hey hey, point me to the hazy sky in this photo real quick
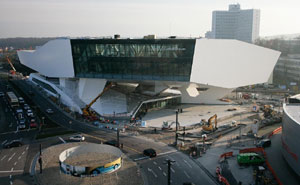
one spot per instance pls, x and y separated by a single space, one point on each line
135 18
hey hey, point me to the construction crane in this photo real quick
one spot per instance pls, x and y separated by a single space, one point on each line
13 71
86 111
208 127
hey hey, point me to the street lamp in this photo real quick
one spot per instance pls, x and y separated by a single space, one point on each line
176 136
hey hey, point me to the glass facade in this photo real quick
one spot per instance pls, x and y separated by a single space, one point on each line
133 59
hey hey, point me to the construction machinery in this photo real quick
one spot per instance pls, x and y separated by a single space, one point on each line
268 111
87 112
208 126
167 126
13 71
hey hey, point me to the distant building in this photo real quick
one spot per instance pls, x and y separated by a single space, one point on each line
286 73
236 24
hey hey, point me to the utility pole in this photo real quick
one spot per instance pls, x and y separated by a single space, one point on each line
176 136
169 163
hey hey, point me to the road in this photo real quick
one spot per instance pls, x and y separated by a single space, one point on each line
185 169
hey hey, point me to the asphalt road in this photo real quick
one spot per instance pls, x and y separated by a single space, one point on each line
184 169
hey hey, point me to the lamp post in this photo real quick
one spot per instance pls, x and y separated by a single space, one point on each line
43 121
176 136
169 163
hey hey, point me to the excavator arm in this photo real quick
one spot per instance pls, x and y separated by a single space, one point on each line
86 111
11 65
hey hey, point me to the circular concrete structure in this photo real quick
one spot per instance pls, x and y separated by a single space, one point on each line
90 160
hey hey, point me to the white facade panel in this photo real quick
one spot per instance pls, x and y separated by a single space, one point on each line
54 59
231 63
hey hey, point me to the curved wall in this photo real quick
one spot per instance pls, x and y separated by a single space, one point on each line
290 140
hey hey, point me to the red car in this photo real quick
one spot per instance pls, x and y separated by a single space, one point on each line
32 123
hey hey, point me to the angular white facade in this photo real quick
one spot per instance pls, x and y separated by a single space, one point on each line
217 67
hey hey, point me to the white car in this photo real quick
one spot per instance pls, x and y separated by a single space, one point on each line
29 113
77 138
49 111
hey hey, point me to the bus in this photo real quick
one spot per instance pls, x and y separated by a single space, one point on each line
12 99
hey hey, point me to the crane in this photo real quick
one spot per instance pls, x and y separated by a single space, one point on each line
86 111
13 71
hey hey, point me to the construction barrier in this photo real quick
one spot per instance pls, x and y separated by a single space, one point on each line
277 130
261 150
227 154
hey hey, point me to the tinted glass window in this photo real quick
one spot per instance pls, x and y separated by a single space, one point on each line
138 59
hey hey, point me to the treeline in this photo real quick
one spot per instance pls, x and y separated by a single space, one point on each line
23 43
285 46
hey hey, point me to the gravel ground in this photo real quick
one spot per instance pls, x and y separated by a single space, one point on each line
128 173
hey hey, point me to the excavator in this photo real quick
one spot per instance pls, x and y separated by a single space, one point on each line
13 71
87 112
208 126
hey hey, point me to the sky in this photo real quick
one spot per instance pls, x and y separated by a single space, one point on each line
135 18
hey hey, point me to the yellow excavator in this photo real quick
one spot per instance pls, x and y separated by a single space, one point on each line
208 126
86 111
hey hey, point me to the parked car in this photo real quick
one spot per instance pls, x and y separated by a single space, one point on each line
32 123
150 152
264 143
49 111
26 106
22 124
77 138
13 143
250 158
29 113
21 100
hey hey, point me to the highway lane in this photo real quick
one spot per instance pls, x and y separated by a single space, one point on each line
133 146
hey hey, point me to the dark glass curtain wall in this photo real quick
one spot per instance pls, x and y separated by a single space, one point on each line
133 59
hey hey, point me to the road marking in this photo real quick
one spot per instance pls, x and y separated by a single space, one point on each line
187 163
11 157
16 171
154 174
62 140
3 157
172 151
10 182
19 157
141 158
186 174
27 148
17 130
164 174
154 163
159 168
15 163
10 176
172 170
4 142
12 169
23 153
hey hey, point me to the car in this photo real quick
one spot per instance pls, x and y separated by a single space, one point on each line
264 143
1 94
49 111
32 123
21 100
150 152
111 142
77 138
22 124
13 143
19 111
26 106
250 159
29 113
